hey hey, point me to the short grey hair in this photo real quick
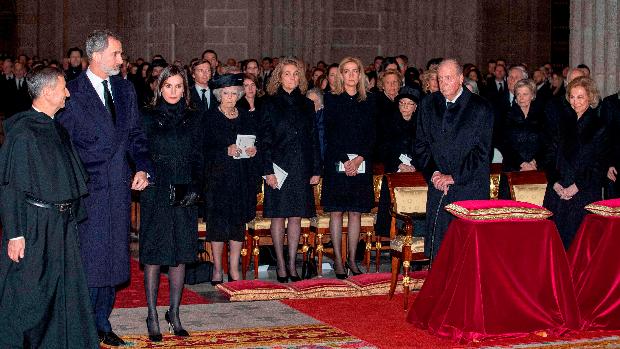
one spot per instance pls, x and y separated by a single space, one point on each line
459 67
473 84
97 41
526 83
41 77
520 68
316 91
218 92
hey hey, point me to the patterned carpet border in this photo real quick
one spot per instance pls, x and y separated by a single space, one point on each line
283 337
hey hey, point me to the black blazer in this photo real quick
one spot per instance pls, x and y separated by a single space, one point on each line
521 137
197 101
16 100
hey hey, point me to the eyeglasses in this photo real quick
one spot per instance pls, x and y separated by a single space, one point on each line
406 104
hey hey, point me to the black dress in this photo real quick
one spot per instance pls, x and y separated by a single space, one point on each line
168 234
44 300
579 156
349 129
230 192
289 140
258 104
521 141
400 141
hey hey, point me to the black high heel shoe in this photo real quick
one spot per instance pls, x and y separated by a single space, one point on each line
338 275
231 279
217 282
282 279
293 278
348 267
177 332
153 336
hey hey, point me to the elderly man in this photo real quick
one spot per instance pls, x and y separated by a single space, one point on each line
453 143
16 95
43 293
103 121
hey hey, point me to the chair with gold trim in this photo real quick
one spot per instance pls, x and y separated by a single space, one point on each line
408 196
259 230
527 186
496 171
319 225
245 256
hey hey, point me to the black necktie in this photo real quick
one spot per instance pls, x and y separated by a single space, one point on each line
205 101
109 102
449 105
501 88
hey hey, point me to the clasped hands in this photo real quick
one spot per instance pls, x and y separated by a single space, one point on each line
234 150
351 166
565 193
442 181
529 166
272 181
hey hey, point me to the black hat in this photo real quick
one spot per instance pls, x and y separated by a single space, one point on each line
408 92
226 80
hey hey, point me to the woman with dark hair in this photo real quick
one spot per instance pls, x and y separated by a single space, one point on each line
230 172
332 75
350 136
251 100
576 159
168 231
289 145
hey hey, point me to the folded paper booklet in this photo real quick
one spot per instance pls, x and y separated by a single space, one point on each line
280 175
405 160
360 169
244 142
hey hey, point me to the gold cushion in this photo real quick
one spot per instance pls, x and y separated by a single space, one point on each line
410 199
321 221
532 193
261 223
610 208
416 242
497 210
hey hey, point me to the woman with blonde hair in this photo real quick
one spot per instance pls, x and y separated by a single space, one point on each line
576 159
289 145
350 136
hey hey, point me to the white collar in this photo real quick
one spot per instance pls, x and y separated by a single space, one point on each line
96 80
457 96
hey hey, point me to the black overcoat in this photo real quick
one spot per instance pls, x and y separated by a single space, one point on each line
349 129
230 183
457 142
578 155
289 139
105 149
44 298
168 234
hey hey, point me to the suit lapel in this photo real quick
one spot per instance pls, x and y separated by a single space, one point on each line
93 103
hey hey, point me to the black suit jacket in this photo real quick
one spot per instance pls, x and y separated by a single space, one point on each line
197 101
16 100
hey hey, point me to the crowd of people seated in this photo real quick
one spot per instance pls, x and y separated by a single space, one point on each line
335 122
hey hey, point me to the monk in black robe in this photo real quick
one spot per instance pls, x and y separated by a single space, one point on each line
453 143
44 300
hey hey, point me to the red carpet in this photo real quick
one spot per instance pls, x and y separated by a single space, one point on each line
133 295
381 322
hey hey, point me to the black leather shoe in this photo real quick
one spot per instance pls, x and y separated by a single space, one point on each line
110 338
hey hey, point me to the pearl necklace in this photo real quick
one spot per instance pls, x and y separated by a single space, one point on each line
232 115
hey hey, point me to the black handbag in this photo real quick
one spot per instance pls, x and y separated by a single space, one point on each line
201 270
179 192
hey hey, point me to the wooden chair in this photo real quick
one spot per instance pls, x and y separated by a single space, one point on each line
319 226
496 170
259 230
527 186
408 196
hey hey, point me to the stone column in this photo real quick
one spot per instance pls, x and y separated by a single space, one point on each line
594 35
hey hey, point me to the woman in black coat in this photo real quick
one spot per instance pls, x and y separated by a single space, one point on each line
576 158
290 142
390 82
252 100
231 179
522 134
168 231
399 152
350 137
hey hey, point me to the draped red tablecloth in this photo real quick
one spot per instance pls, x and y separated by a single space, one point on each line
497 278
594 258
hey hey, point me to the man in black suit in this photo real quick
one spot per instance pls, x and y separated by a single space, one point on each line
6 79
543 86
452 149
211 56
16 92
201 96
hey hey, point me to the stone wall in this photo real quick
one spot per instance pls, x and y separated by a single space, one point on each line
471 30
594 40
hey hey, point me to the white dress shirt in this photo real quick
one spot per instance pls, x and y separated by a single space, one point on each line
97 83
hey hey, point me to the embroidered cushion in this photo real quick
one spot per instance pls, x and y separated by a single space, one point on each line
497 210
